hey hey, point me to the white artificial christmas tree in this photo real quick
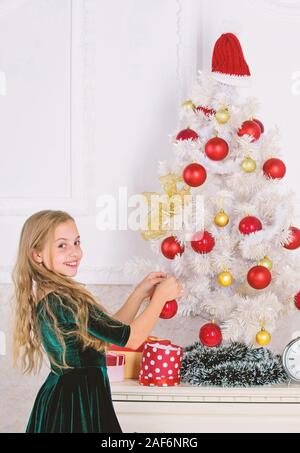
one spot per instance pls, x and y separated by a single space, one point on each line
242 273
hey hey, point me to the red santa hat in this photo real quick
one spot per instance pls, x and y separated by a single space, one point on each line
228 63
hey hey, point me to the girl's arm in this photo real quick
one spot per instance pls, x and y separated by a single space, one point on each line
128 311
142 326
132 335
144 290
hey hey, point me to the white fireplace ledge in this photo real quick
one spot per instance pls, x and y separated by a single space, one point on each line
130 390
189 409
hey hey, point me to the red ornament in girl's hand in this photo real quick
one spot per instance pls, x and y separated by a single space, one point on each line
203 242
187 134
210 335
216 149
169 310
250 225
171 247
194 175
297 301
250 128
274 169
259 277
294 242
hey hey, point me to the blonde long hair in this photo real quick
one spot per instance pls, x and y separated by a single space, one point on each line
27 274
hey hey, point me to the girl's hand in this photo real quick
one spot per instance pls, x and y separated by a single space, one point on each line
169 289
147 286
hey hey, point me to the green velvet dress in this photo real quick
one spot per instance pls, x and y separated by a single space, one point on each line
77 400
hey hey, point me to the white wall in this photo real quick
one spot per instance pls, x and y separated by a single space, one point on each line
92 95
93 89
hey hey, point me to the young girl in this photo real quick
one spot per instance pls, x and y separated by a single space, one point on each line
57 313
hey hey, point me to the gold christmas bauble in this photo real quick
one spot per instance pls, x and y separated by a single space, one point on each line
222 219
222 116
249 165
188 105
266 262
263 338
225 279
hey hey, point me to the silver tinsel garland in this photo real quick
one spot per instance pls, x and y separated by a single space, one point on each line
234 365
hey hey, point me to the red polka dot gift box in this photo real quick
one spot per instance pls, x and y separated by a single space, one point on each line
161 363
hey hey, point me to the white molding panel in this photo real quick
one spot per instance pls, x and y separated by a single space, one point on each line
74 149
9 6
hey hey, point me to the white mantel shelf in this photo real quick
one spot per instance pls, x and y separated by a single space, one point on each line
130 390
189 409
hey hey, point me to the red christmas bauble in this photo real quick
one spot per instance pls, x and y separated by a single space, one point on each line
206 110
210 335
294 243
217 149
250 128
297 301
195 175
250 225
169 310
187 134
203 242
259 277
170 247
274 168
262 127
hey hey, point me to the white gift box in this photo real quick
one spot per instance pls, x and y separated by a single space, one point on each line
115 364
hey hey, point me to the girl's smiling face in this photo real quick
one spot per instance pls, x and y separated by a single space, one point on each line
63 253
